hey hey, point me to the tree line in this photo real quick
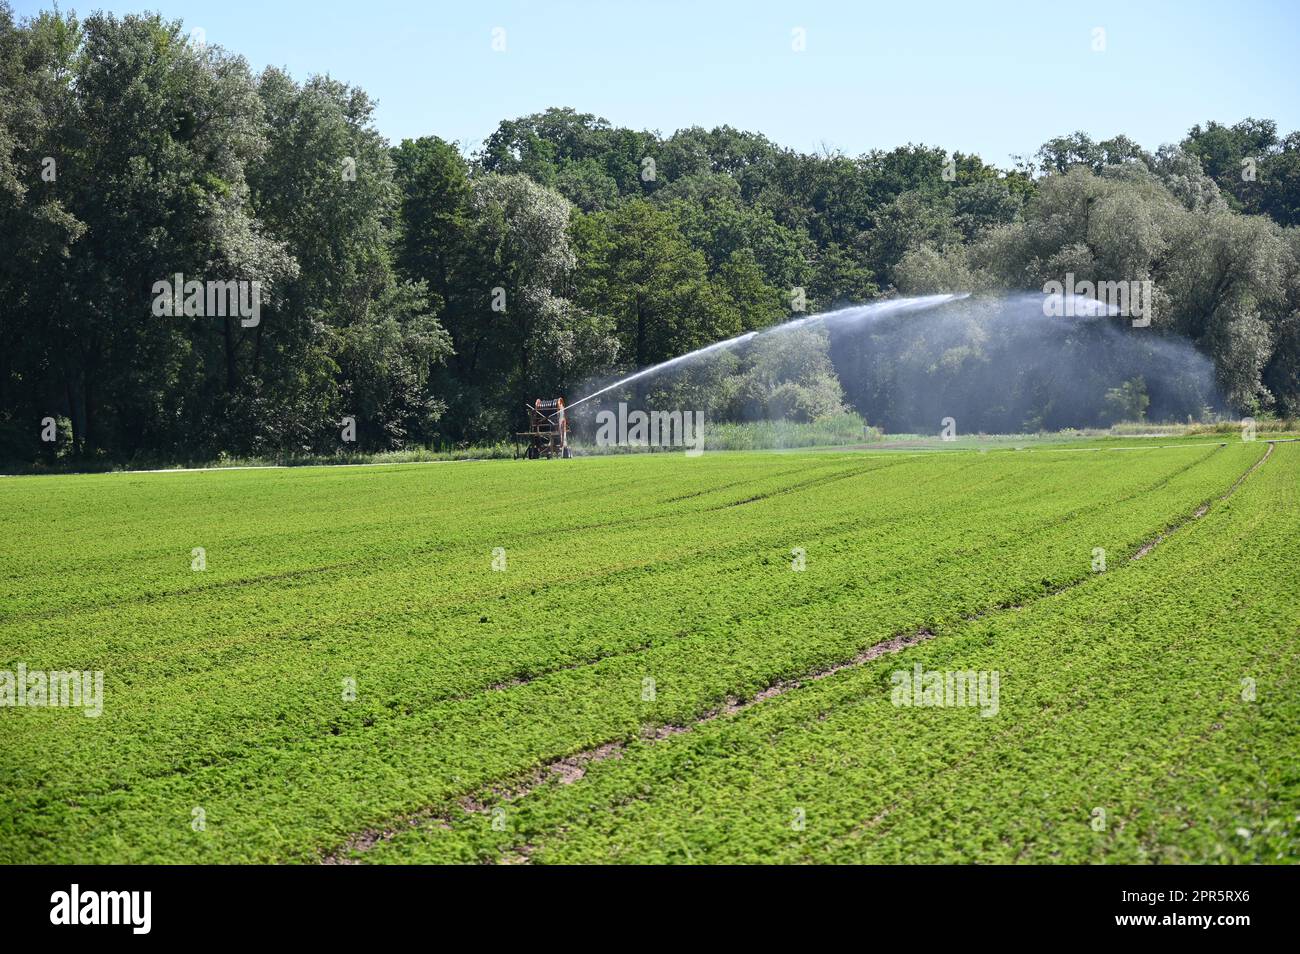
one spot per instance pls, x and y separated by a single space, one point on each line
424 294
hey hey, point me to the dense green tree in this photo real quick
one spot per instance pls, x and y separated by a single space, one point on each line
435 207
908 222
1226 152
1279 179
1128 402
1079 149
1257 169
396 282
151 138
721 226
36 116
343 330
637 268
1282 376
789 376
576 153
840 276
536 339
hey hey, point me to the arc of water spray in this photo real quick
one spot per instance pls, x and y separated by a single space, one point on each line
853 313
716 346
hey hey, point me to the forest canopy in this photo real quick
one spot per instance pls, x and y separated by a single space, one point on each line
425 293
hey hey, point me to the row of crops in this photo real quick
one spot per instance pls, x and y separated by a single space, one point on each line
390 663
1149 714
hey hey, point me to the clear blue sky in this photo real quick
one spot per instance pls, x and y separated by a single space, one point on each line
997 78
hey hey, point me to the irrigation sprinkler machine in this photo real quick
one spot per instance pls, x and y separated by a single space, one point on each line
548 430
548 426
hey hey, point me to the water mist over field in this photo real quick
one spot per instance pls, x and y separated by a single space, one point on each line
998 364
995 363
852 316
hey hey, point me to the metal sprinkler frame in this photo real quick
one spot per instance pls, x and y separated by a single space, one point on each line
548 430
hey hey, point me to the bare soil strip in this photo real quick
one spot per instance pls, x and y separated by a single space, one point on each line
571 768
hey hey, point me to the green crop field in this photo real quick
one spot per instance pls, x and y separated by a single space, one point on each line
653 658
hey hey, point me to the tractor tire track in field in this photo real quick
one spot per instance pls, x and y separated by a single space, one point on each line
802 485
736 483
523 679
418 553
1204 508
158 596
1018 728
572 768
501 683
